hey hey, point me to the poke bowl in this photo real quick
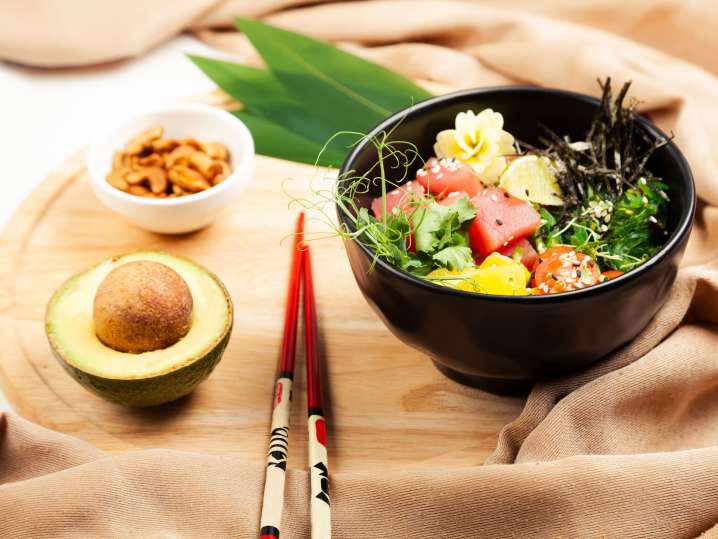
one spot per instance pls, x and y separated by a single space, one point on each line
504 340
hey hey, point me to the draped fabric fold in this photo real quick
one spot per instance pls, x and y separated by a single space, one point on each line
626 448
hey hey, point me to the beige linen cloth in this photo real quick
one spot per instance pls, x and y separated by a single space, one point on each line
628 448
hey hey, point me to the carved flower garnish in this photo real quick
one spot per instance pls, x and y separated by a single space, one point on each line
478 140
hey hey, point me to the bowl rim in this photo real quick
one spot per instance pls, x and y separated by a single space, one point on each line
680 232
218 115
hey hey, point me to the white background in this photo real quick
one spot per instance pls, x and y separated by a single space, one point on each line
46 115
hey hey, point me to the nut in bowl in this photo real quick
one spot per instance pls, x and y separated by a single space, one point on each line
156 167
174 170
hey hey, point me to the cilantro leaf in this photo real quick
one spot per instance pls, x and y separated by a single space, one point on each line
419 264
460 239
439 233
454 258
428 221
436 225
464 209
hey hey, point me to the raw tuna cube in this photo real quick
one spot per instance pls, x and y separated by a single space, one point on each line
500 220
529 256
442 176
401 197
453 198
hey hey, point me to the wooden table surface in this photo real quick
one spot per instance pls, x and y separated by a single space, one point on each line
388 406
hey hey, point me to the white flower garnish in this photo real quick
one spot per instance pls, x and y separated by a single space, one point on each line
478 140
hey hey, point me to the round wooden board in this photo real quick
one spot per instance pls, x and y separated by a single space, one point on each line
388 406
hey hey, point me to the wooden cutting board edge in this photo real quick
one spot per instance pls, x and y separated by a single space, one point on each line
13 238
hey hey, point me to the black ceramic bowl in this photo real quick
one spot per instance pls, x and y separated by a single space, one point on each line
504 343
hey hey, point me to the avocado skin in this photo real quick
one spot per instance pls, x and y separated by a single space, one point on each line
155 390
143 392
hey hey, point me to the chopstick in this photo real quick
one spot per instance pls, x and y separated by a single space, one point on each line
273 501
316 425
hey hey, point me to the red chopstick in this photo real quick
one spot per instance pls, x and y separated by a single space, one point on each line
316 426
291 311
273 501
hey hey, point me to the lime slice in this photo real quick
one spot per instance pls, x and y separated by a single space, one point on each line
530 178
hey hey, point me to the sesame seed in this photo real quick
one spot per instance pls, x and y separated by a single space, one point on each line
499 222
494 198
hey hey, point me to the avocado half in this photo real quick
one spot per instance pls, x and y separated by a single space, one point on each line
148 378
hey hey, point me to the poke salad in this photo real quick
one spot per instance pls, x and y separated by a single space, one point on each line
490 214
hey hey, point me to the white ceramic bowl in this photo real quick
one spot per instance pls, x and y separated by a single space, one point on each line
189 212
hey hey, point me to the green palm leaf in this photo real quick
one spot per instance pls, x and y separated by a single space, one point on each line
310 91
275 140
348 92
261 94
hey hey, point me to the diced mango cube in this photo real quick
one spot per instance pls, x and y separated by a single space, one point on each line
502 280
497 274
451 278
496 259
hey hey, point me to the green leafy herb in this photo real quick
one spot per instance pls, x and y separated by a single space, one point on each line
635 231
310 92
455 257
547 234
428 222
437 227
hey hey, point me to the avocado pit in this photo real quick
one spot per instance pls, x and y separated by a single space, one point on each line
142 306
